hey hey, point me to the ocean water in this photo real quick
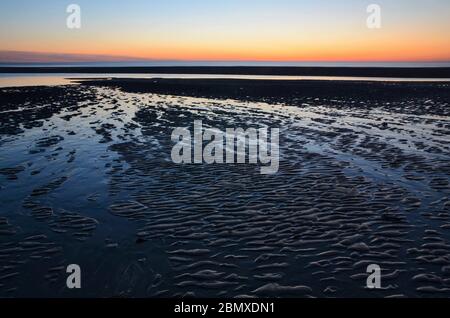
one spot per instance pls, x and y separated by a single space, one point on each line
21 80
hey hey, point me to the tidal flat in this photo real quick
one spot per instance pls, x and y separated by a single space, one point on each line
86 178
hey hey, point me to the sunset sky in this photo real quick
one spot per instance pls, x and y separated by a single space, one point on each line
227 30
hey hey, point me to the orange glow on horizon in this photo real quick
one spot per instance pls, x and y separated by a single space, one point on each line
391 49
315 47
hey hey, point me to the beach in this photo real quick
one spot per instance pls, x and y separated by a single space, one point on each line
86 177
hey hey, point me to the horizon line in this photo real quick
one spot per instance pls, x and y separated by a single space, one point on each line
31 57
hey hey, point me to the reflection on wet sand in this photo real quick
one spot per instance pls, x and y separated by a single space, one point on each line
86 177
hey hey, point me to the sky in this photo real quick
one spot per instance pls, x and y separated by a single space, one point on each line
225 30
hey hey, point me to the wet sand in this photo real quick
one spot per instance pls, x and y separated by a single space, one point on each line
86 177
